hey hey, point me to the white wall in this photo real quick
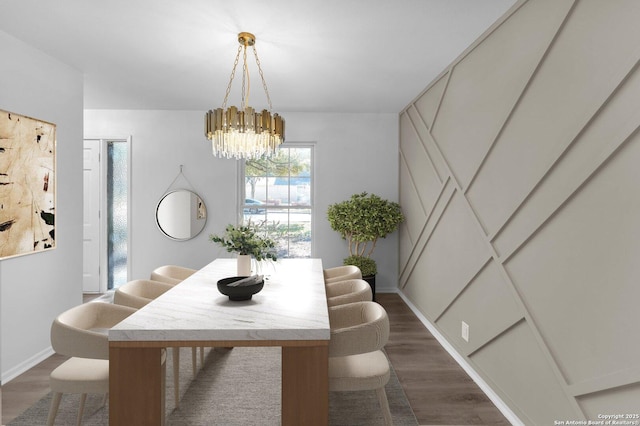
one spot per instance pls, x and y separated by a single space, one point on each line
354 153
35 288
161 141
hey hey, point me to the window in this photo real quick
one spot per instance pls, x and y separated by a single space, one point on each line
117 206
278 198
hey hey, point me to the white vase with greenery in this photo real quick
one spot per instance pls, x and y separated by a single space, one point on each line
248 244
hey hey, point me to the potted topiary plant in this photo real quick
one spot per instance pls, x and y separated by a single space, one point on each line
247 243
361 220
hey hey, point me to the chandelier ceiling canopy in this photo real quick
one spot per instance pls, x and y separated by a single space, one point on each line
243 133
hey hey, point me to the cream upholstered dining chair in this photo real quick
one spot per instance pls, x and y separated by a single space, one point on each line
341 273
138 293
348 291
171 274
81 333
356 362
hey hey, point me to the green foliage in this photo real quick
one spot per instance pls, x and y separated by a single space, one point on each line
367 265
244 239
275 229
285 162
363 219
279 164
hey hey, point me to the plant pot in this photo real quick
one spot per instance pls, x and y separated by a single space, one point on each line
371 279
244 265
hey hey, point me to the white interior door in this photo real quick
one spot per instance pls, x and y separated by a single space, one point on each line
91 217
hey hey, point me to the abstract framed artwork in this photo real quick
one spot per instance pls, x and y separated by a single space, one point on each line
27 185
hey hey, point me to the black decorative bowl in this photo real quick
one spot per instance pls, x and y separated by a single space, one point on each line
240 292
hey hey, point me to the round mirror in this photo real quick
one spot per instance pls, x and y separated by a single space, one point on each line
181 214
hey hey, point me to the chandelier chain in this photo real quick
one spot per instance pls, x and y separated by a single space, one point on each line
233 73
246 82
264 83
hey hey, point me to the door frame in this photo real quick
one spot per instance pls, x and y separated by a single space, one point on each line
103 258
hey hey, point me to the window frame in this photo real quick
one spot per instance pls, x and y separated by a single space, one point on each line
242 189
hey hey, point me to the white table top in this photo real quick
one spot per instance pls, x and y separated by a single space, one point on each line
291 306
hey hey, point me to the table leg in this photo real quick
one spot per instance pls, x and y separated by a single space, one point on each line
305 385
136 386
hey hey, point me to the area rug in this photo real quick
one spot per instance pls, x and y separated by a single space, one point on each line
235 387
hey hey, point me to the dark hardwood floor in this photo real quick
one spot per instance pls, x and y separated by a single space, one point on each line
438 389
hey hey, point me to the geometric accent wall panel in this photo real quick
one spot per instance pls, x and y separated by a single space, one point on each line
411 206
484 86
487 304
405 244
420 290
453 255
587 61
619 400
517 368
586 267
429 144
424 176
427 104
417 249
524 207
617 120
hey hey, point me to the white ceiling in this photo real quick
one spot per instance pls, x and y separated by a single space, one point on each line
317 55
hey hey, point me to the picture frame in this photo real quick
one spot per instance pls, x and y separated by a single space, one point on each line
27 185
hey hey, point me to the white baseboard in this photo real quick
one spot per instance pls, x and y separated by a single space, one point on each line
14 372
497 401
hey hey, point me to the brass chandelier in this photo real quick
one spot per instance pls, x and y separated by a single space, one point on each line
243 133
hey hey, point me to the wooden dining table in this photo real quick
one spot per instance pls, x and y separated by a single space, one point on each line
290 312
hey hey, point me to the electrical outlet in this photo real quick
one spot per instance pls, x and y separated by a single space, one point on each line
465 331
